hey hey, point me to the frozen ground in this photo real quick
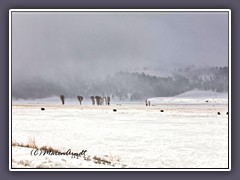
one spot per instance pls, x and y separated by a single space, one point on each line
188 134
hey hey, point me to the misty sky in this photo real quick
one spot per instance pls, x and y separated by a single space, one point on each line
82 45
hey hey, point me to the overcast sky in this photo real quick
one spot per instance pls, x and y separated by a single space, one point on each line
70 46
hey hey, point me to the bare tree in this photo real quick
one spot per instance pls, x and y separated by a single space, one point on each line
149 103
108 100
98 99
105 100
62 99
101 101
80 98
93 100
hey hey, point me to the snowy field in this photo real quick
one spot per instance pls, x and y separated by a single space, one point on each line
187 134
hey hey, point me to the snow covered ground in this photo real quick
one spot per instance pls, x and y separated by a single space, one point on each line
188 134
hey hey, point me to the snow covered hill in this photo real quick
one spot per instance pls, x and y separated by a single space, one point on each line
193 97
203 94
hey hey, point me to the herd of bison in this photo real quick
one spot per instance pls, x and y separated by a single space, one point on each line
98 100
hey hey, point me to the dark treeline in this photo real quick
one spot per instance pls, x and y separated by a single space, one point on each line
131 86
211 78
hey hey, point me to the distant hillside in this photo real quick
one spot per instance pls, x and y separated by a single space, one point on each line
130 85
